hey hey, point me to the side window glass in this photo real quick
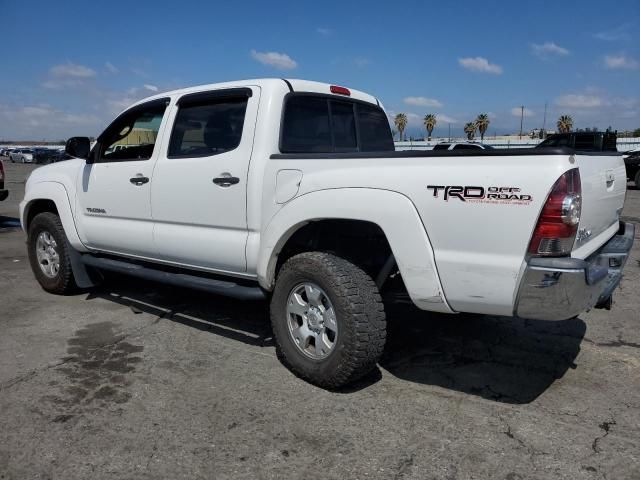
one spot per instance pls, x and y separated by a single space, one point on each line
306 125
374 129
208 128
133 135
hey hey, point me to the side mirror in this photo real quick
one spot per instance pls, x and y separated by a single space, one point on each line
78 147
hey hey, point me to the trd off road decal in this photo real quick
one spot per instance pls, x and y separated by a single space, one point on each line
474 194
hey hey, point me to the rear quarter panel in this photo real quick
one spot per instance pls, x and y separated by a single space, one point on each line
479 246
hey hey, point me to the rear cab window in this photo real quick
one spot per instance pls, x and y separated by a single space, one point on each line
317 123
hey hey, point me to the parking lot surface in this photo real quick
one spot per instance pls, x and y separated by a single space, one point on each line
140 380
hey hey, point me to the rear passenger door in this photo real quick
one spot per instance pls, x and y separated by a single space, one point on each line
199 190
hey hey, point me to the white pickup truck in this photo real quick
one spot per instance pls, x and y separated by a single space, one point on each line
292 190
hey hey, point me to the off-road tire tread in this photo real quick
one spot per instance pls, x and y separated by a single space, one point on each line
365 322
64 283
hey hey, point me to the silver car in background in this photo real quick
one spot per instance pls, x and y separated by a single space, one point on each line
21 155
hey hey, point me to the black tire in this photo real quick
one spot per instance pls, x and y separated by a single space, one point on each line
63 282
360 319
637 179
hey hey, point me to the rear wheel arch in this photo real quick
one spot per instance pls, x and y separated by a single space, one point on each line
392 213
363 242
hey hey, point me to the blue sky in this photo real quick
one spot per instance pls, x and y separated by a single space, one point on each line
69 67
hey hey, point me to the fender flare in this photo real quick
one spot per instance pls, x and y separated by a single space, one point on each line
57 193
393 212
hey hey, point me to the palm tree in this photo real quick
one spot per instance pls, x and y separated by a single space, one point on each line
565 123
401 123
430 123
483 124
470 129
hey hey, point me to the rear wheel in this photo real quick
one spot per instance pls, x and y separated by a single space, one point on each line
328 319
49 254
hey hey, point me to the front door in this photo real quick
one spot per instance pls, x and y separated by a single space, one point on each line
199 191
113 199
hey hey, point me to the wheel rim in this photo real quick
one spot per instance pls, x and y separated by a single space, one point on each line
47 254
311 319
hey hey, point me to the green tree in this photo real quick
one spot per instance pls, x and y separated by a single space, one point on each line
482 123
565 124
400 122
470 130
430 122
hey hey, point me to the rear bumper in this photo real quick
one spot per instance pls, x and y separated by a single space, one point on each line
561 288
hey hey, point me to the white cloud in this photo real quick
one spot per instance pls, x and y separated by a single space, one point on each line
615 62
34 122
422 102
548 49
361 62
579 100
517 111
324 31
150 87
480 64
281 61
72 70
618 33
111 68
442 118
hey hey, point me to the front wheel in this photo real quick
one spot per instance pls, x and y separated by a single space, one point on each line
328 319
49 254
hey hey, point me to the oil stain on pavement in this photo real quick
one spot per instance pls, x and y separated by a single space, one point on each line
97 368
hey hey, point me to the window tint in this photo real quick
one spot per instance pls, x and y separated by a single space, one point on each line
585 142
306 125
208 128
466 146
343 125
610 142
442 146
374 130
133 135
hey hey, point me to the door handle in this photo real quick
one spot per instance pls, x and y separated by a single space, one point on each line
139 180
226 180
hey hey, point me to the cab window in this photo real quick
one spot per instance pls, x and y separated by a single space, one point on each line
132 136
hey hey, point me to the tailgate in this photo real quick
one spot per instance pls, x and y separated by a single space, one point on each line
604 184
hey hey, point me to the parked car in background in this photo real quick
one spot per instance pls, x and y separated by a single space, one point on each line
22 155
462 146
632 164
583 141
45 156
3 193
4 152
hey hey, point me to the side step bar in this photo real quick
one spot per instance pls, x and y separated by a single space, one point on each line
220 287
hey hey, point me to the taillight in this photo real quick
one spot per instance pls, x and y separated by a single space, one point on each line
558 223
340 90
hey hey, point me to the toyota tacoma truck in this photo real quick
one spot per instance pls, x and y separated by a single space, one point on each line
292 191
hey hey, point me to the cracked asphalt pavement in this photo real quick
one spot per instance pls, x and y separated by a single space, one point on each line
140 380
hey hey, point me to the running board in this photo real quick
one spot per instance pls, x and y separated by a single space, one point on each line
220 287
